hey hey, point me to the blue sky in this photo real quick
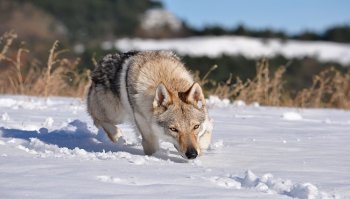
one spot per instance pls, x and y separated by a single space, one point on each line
292 16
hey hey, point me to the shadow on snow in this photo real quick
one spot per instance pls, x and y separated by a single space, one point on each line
77 135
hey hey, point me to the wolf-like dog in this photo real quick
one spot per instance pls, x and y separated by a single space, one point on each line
154 91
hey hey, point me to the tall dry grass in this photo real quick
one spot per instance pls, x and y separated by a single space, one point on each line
60 76
264 88
330 88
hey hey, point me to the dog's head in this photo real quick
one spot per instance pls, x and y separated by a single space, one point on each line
181 117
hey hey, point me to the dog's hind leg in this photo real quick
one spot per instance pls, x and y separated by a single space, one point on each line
113 132
106 111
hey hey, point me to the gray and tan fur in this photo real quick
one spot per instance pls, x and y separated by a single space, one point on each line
154 91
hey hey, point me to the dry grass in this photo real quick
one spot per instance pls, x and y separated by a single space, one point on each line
263 88
331 88
60 77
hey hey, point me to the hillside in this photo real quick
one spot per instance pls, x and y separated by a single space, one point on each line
91 20
251 48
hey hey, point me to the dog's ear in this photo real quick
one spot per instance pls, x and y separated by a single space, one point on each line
162 97
195 96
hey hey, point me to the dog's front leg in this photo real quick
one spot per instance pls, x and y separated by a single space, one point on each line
205 137
150 142
205 140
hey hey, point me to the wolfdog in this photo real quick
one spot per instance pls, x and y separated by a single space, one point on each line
155 92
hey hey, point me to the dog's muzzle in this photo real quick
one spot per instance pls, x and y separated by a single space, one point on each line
191 153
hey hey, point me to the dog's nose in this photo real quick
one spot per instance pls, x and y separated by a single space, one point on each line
191 153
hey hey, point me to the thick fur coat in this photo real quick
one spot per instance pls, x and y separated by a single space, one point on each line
154 91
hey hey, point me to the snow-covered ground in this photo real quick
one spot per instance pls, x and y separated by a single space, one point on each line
50 149
238 45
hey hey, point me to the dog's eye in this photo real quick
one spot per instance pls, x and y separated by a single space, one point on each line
173 129
196 126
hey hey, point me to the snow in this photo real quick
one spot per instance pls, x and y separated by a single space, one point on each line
50 148
292 116
217 102
158 18
5 117
214 46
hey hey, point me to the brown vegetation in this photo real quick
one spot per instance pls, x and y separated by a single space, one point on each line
330 88
60 77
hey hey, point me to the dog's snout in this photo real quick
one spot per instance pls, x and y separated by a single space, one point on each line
191 153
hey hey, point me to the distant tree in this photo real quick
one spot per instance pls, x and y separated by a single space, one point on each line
337 34
215 30
93 19
307 35
240 30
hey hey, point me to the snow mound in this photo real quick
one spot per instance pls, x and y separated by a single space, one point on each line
108 179
271 185
48 122
225 182
239 103
5 117
291 116
160 18
215 101
43 150
216 145
255 104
